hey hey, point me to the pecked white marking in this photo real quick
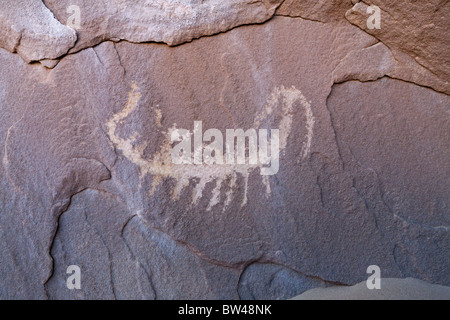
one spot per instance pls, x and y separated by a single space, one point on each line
281 102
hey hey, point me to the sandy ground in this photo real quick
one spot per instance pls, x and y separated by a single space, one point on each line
391 289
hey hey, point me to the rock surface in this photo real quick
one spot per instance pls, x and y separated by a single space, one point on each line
30 29
391 289
87 177
417 28
171 22
317 10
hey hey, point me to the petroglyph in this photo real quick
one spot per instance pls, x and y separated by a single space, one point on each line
279 106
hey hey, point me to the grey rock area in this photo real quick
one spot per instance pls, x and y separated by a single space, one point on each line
269 281
391 289
87 179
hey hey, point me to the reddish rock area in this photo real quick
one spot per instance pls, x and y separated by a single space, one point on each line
89 97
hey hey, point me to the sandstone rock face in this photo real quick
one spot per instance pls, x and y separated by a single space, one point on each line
171 22
87 176
417 28
30 29
318 10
